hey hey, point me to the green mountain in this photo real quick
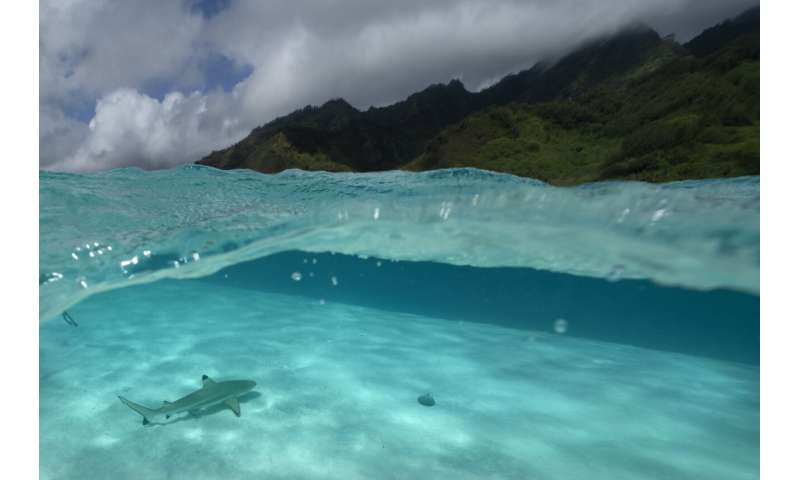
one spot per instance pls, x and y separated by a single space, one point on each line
631 105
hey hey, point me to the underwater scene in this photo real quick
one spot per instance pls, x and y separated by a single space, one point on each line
453 324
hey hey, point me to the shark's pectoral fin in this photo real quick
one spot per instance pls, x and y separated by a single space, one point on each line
145 421
233 404
167 402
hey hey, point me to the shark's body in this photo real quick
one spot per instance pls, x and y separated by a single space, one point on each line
212 393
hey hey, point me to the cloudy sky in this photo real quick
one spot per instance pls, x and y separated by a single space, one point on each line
156 83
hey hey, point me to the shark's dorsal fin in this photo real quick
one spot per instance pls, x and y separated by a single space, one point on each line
233 404
167 402
207 381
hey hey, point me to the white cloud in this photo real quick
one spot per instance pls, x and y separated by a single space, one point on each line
302 52
130 128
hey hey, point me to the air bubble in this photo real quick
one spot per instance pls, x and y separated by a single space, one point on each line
560 326
658 214
444 211
616 273
297 276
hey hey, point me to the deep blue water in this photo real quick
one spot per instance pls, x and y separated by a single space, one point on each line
720 324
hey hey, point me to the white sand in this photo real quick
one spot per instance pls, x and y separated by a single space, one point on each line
337 390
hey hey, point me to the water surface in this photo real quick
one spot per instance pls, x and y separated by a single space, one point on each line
602 331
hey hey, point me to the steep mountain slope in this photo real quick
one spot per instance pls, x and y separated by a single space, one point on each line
631 105
676 116
389 137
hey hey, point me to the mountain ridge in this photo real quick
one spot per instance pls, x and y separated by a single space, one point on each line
422 131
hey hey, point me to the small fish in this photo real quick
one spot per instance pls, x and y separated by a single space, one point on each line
68 318
212 393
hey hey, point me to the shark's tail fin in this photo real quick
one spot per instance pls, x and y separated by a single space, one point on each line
145 412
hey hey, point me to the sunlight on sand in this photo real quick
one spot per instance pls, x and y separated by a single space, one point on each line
337 396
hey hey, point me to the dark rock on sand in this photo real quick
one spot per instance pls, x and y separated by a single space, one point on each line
426 400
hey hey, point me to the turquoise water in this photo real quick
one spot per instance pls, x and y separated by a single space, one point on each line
603 331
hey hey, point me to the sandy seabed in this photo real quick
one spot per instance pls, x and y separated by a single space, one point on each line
337 396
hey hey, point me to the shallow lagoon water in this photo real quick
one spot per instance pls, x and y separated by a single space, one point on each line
458 288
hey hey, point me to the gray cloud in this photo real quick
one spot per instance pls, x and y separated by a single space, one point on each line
59 135
302 52
89 47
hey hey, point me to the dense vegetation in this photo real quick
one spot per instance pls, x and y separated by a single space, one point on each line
632 106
